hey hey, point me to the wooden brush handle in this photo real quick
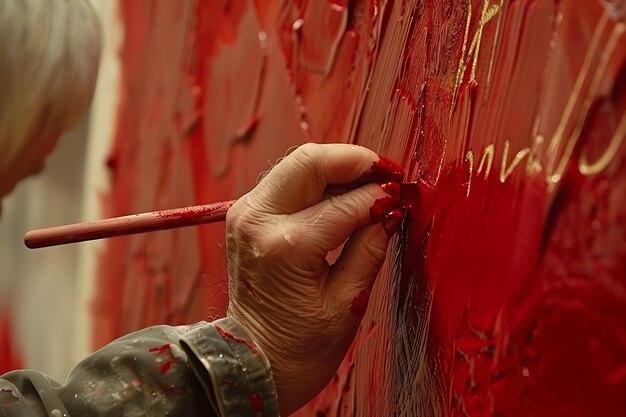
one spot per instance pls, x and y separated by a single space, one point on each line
127 225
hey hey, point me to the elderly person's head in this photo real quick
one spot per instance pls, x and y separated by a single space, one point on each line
49 53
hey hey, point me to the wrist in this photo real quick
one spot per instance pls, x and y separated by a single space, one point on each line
299 369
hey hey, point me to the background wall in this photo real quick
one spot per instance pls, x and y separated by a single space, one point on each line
40 287
45 295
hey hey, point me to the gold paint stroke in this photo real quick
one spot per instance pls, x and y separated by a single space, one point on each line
505 171
488 156
603 161
607 52
469 157
461 68
534 164
495 43
573 97
488 12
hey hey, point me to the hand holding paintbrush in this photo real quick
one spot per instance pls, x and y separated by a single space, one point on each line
154 221
298 310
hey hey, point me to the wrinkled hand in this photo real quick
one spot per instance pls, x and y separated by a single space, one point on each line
302 312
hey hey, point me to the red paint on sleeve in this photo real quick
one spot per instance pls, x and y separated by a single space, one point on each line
228 335
256 402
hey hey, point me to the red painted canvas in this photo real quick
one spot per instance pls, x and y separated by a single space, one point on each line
505 292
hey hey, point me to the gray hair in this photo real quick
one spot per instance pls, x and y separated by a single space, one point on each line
49 55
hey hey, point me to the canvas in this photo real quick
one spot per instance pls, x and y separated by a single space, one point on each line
505 292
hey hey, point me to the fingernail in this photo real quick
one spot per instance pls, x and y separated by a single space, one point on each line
382 206
384 169
392 222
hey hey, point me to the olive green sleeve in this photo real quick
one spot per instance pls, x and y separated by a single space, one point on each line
208 370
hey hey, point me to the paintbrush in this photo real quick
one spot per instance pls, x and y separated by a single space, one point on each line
128 225
156 220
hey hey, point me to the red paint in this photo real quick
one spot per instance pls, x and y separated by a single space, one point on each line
391 188
246 131
173 391
407 97
359 304
167 365
415 194
161 349
256 403
249 287
384 170
340 3
382 206
499 297
228 335
392 221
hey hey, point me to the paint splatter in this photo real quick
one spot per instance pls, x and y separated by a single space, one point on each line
359 304
249 287
228 335
166 365
256 402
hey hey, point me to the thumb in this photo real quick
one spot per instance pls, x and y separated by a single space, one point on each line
351 278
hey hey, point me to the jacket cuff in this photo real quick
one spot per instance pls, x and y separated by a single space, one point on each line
232 368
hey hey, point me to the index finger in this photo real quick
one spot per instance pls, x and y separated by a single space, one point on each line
300 179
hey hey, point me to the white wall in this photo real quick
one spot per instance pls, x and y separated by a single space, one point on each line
101 130
41 285
49 290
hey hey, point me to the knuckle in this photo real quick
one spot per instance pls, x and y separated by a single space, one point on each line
258 237
242 223
247 227
234 213
306 155
238 222
309 149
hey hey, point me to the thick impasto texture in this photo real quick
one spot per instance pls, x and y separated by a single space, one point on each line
505 292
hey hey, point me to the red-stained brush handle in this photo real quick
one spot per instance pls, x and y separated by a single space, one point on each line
128 225
163 220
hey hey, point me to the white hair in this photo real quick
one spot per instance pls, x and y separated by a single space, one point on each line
49 55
